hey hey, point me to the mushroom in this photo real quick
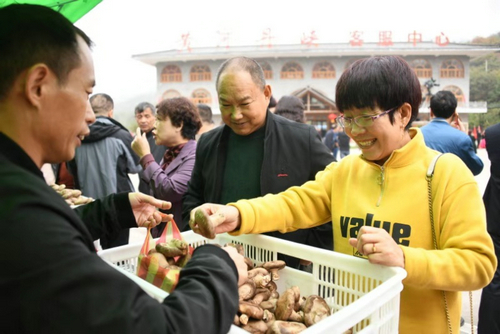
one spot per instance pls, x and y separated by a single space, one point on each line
160 259
204 223
315 309
249 263
261 281
243 319
268 317
298 305
173 248
236 320
273 267
279 327
256 271
261 295
183 260
252 310
269 304
284 306
256 326
274 290
247 290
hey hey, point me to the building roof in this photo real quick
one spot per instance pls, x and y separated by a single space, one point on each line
317 50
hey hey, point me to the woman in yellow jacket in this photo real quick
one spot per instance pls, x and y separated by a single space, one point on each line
378 201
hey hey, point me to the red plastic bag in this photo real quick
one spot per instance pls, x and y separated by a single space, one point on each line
148 267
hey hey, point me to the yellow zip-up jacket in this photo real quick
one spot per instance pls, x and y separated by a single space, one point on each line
356 192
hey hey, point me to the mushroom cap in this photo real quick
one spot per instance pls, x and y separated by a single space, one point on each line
315 309
278 264
255 326
247 290
285 304
252 310
256 271
260 295
290 327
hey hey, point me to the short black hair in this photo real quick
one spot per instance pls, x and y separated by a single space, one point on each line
244 64
180 111
205 113
101 103
32 34
386 82
291 107
443 104
141 107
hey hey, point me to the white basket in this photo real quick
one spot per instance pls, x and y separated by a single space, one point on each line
363 296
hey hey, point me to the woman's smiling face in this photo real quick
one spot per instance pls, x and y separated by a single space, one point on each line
378 140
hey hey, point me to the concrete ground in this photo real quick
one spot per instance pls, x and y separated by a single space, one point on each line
138 235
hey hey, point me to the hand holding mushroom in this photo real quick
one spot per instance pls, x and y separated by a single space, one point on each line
211 219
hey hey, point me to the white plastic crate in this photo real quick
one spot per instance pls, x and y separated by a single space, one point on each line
363 296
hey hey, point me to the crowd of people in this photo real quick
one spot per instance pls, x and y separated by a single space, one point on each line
262 157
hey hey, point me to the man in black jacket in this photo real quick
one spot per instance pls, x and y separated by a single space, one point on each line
489 309
145 115
51 279
255 152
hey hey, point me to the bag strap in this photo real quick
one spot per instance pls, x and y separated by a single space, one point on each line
428 177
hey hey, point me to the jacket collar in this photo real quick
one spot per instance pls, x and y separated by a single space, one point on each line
188 148
408 154
15 154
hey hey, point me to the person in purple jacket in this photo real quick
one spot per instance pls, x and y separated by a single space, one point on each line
177 122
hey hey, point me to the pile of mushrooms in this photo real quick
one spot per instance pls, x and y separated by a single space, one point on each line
173 254
263 310
71 196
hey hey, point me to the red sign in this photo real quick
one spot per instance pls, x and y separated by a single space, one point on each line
332 117
442 40
267 38
414 38
385 38
309 40
356 38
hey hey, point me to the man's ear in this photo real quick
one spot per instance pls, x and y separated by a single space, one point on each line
36 83
111 113
268 92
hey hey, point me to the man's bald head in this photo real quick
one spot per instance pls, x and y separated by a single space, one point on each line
243 64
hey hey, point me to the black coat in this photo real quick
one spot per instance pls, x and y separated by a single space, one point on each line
157 151
293 154
52 280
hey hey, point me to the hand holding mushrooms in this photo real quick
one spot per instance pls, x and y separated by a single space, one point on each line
211 219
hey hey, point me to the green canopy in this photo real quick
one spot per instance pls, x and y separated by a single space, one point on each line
72 9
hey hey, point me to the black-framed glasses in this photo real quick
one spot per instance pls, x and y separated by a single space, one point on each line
362 121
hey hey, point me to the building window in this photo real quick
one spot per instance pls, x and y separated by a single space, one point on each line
458 94
292 70
268 71
171 73
452 68
422 68
201 96
323 70
170 94
200 73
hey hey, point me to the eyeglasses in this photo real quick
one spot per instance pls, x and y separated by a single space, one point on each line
362 121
